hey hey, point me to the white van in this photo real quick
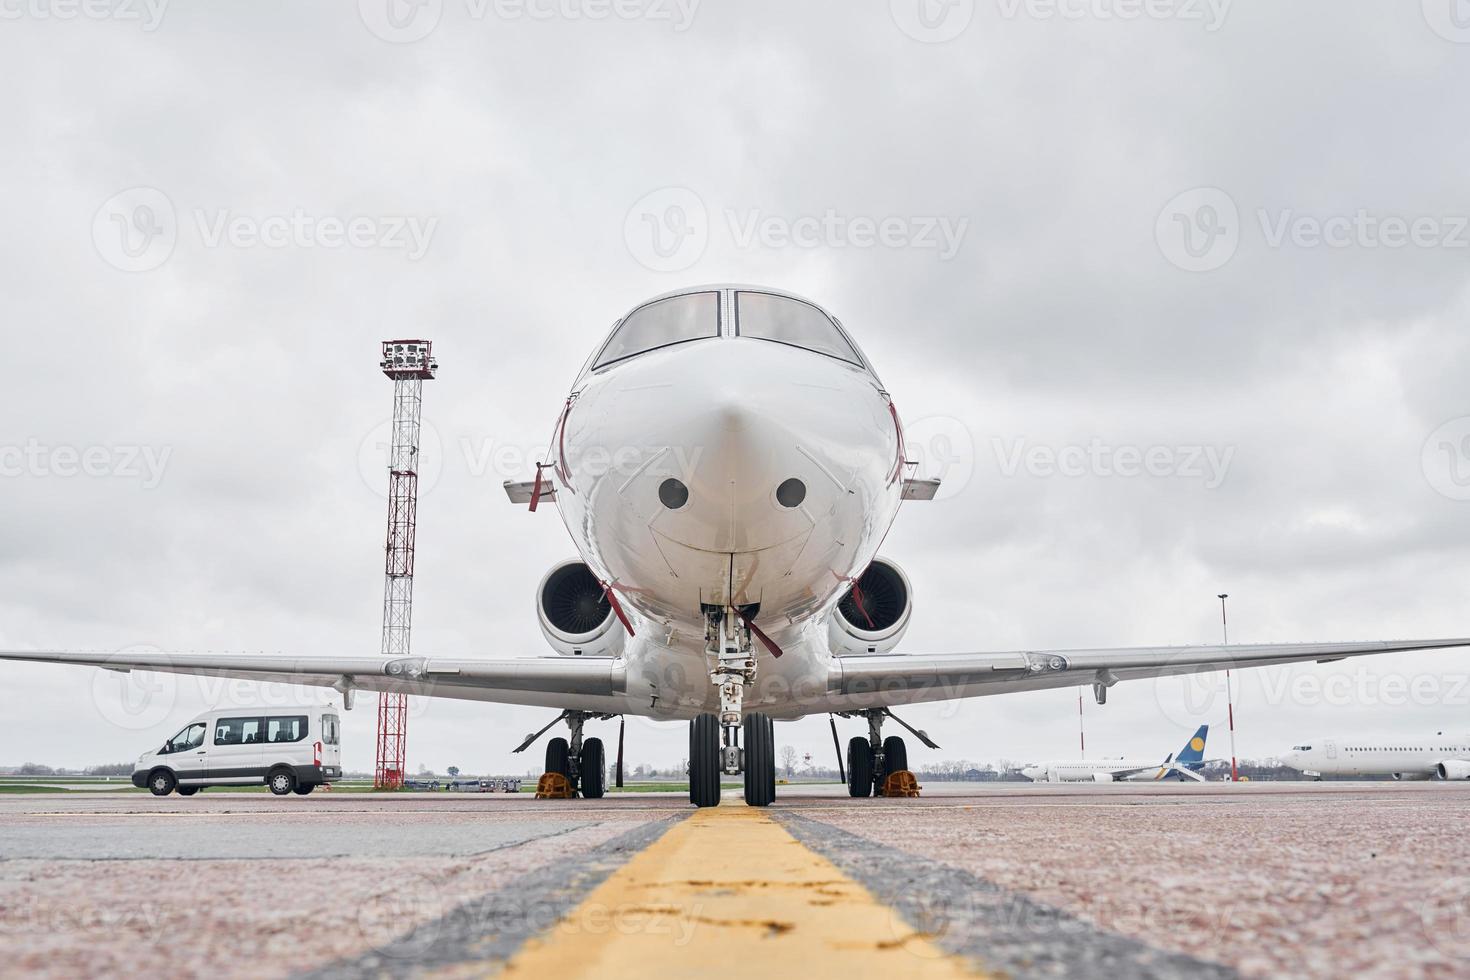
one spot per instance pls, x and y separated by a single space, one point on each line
291 750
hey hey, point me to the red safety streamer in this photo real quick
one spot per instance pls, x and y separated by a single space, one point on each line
536 490
760 634
857 597
617 607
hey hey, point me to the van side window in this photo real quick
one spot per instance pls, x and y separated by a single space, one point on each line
238 731
291 728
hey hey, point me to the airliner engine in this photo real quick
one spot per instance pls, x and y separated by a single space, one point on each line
574 613
874 614
1454 769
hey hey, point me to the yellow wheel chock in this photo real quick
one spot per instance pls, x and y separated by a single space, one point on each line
900 783
553 786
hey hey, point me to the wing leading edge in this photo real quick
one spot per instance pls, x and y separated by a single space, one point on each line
550 682
859 682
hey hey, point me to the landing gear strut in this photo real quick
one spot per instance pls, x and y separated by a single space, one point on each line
714 740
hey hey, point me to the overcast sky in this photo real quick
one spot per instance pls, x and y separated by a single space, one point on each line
1173 294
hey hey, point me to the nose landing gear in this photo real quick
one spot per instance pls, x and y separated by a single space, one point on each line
714 740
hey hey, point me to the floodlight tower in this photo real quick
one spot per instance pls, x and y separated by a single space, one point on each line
409 363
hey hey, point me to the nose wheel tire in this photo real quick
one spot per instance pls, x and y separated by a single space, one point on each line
593 769
704 761
859 767
760 760
305 789
895 755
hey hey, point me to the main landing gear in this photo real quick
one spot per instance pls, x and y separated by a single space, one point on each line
581 763
715 740
871 760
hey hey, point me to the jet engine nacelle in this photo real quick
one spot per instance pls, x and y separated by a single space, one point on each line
574 613
874 614
1454 769
1103 777
1412 777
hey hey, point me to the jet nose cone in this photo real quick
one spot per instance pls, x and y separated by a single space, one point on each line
764 439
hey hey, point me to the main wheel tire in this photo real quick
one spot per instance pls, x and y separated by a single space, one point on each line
593 769
760 760
559 757
188 790
859 767
305 788
895 755
282 782
161 782
704 761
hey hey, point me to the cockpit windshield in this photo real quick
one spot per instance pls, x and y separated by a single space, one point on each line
675 320
784 320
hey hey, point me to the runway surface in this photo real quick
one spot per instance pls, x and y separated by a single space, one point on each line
1324 879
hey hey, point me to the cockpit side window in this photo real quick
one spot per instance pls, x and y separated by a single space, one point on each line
675 320
784 320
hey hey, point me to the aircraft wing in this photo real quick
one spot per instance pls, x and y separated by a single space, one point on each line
552 682
858 682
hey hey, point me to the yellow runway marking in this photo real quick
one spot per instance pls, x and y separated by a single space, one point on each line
730 892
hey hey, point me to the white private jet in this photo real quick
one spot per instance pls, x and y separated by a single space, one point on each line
728 465
1400 756
1185 765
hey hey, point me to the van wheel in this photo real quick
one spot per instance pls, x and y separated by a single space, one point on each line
282 782
161 783
188 790
307 788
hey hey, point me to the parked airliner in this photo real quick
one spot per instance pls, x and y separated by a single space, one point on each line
1185 765
1400 756
727 464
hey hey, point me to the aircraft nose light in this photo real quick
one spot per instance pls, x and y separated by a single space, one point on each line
791 493
673 494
